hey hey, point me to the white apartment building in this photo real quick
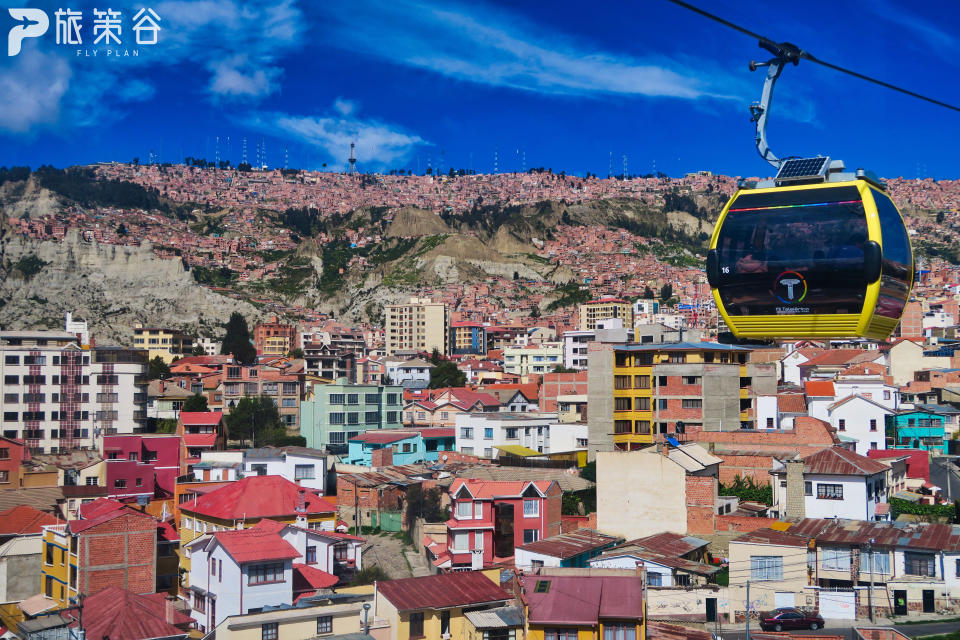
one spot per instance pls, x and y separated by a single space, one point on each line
418 325
480 433
534 358
409 374
57 396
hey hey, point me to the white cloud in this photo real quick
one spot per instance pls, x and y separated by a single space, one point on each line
378 144
495 48
236 77
32 88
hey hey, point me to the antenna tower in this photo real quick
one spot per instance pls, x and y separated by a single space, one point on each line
610 169
244 149
624 166
523 163
286 157
217 152
496 151
353 158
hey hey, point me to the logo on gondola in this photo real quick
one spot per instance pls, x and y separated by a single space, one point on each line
793 284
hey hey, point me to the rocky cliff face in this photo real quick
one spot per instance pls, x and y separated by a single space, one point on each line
112 287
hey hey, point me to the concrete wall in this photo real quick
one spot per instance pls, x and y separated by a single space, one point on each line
630 513
762 593
600 401
20 567
721 396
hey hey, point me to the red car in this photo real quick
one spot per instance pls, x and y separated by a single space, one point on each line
789 618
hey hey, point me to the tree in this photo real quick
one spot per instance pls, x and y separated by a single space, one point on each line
296 353
198 350
648 293
368 575
426 504
446 374
666 292
237 340
255 418
196 402
435 357
159 370
562 369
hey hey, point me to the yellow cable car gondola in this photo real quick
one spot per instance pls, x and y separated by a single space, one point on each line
817 252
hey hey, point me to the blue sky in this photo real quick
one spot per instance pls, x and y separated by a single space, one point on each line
565 83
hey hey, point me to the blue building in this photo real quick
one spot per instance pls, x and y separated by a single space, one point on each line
409 445
468 338
917 429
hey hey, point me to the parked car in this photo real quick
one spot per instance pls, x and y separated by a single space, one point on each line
789 618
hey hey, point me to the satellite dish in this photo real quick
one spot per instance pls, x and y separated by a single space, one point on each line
444 457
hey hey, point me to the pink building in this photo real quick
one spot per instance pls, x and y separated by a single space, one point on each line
492 518
141 465
200 431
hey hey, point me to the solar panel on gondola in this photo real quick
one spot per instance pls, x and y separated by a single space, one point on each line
802 168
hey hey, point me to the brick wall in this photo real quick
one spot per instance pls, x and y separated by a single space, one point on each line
675 411
554 504
120 552
701 504
381 457
741 524
756 467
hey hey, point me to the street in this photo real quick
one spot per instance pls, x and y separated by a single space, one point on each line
910 630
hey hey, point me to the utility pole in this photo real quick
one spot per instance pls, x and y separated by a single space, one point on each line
748 611
870 593
643 583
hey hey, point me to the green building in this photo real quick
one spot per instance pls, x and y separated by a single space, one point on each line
339 411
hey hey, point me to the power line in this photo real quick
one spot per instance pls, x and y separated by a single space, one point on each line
792 53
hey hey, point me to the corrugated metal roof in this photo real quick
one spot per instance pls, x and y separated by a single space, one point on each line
517 450
934 537
583 600
567 545
842 462
496 618
442 591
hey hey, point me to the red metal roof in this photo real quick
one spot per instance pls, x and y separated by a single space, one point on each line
790 538
583 600
842 462
383 437
257 497
200 439
489 489
24 520
118 613
567 545
820 388
103 510
918 461
459 589
201 417
885 534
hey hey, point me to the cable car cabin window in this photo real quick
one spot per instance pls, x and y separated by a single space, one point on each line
897 259
782 253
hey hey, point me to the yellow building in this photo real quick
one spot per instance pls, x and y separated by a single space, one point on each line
432 607
418 325
165 343
243 503
645 392
574 607
604 309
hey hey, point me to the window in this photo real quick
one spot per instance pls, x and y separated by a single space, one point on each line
11 379
336 398
542 586
353 418
336 418
766 568
353 398
263 573
4 453
835 559
808 488
654 580
691 403
337 437
371 398
641 382
12 360
133 456
269 631
288 403
842 425
311 555
873 425
325 624
829 491
416 624
682 579
530 535
391 398
886 395
10 416
464 510
560 634
512 433
371 417
139 482
488 433
619 631
881 562
621 382
303 472
622 426
622 404
199 603
531 508
920 564
120 483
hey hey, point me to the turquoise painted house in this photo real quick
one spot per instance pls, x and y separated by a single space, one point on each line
917 429
334 413
409 445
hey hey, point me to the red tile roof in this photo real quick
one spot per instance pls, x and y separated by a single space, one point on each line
383 437
820 388
463 588
118 613
583 600
489 489
24 520
306 578
841 462
791 403
201 417
255 545
257 497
